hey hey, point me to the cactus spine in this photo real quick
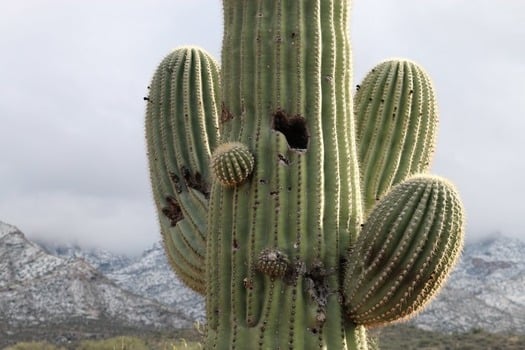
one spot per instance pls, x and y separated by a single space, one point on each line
280 243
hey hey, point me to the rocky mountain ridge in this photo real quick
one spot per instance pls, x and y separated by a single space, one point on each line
41 290
148 274
485 291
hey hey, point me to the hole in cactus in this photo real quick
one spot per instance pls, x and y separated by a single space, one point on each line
293 128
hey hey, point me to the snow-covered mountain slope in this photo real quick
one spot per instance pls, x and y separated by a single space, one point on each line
148 275
485 291
40 289
103 260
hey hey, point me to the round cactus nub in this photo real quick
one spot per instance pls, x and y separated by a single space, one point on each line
396 122
409 244
232 163
272 262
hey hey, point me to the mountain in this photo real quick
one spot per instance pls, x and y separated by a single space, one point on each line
103 260
40 292
148 275
485 291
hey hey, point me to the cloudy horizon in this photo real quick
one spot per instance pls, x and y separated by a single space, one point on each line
73 77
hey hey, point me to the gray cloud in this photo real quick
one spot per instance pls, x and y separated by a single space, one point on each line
472 51
74 73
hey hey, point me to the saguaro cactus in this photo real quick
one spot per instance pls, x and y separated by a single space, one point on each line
260 195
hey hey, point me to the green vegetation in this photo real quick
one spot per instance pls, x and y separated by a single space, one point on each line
34 345
403 337
398 337
115 343
125 342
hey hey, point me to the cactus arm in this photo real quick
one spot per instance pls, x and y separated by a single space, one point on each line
181 130
409 244
183 258
396 123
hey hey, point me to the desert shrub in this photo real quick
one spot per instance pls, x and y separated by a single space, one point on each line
117 343
184 345
41 345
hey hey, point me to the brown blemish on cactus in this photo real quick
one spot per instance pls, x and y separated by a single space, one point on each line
317 289
293 128
283 160
248 283
195 181
176 181
173 211
317 284
225 114
293 273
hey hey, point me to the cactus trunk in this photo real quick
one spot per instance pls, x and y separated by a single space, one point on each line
286 96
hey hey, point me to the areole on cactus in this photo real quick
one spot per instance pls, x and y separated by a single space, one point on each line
302 219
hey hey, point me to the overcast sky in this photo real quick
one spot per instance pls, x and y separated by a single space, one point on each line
73 74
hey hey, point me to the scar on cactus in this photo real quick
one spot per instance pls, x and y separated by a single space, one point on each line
293 128
173 211
195 181
225 114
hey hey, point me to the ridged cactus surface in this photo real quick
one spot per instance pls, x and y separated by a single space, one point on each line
409 244
396 125
181 130
303 219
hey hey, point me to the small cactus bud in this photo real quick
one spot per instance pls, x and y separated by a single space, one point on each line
272 262
232 163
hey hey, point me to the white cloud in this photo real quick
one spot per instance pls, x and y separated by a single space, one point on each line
74 73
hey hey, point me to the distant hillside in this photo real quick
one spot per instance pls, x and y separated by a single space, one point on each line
486 290
75 290
40 291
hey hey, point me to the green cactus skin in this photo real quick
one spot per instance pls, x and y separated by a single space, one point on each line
181 130
396 123
284 264
409 244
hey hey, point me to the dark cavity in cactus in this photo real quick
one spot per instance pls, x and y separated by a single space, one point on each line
313 218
